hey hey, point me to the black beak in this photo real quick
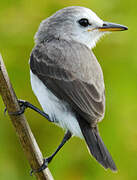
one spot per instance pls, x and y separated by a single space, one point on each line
112 27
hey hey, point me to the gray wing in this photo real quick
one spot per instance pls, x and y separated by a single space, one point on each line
68 77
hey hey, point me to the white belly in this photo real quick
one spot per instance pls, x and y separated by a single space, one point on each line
57 110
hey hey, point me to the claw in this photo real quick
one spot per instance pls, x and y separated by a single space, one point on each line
42 167
22 109
5 110
46 161
31 172
23 105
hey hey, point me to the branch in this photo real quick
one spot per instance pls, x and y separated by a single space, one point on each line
22 128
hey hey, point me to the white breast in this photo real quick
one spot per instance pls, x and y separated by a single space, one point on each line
57 110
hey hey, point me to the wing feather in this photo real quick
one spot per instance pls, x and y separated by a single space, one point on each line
82 96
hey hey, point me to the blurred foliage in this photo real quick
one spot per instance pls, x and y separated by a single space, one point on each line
117 54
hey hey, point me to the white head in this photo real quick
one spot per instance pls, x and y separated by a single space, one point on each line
75 23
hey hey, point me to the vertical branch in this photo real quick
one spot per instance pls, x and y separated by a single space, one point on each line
22 128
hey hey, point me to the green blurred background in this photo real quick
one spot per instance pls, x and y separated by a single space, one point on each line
117 54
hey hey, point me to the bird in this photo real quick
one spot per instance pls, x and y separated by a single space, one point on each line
67 79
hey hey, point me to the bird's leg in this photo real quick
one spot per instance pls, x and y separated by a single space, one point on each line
46 161
24 105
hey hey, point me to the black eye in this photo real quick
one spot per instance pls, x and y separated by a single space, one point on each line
84 22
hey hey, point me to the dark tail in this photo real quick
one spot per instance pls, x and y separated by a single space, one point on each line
96 146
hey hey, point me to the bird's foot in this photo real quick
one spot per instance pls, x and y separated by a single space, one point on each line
42 167
23 105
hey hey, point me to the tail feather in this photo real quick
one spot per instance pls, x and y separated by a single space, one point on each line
96 146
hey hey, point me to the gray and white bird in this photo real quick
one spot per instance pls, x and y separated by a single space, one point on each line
67 78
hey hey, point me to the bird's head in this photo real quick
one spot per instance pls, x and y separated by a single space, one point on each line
76 23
